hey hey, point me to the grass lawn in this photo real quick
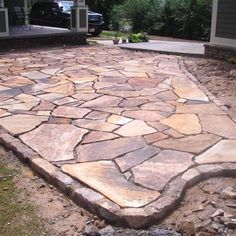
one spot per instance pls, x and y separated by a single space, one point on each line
113 33
17 216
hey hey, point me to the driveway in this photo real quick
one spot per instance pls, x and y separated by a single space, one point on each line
122 133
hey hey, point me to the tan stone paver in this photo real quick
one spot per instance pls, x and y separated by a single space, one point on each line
128 125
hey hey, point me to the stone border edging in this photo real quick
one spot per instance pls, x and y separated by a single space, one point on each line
98 204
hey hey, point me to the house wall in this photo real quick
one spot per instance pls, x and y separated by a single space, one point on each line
223 30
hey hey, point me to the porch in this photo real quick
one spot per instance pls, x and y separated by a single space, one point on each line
23 35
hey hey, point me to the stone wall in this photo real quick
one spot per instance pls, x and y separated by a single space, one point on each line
28 42
219 52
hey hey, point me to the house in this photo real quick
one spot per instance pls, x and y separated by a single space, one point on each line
223 30
13 37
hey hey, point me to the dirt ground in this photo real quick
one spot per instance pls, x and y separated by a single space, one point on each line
195 216
60 216
219 77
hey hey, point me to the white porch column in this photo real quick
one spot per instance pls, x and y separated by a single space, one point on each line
79 17
26 12
4 25
1 3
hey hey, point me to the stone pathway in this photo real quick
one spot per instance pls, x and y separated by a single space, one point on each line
122 133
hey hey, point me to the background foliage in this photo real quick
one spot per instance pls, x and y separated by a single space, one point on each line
189 19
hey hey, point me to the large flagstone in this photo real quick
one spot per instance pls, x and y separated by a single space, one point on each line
67 89
183 123
104 177
70 112
135 128
210 108
96 136
143 115
20 106
193 144
104 101
135 158
17 124
118 120
224 151
139 84
98 125
159 170
108 150
54 142
191 94
218 124
35 75
158 106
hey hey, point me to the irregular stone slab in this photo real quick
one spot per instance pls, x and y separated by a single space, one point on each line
123 94
66 89
134 74
191 94
44 106
224 151
97 136
135 158
35 75
158 106
20 106
139 84
70 112
51 96
4 113
17 124
143 115
17 81
167 96
132 102
27 98
193 144
103 149
98 115
51 71
104 177
85 96
218 124
151 138
183 123
200 109
54 142
104 101
95 125
159 170
9 93
118 120
64 101
82 79
119 87
135 128
173 133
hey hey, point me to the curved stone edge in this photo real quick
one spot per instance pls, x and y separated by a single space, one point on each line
212 97
101 206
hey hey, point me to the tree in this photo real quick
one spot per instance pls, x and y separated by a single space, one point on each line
104 7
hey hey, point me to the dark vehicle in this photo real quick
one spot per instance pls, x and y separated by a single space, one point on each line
57 14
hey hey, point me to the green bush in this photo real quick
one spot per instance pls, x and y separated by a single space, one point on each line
144 15
138 38
189 19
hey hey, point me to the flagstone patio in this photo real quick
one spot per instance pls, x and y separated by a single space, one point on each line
122 133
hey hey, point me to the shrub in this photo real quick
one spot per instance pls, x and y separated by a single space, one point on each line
138 38
189 19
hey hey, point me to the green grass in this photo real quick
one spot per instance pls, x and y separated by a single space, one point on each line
16 217
113 34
